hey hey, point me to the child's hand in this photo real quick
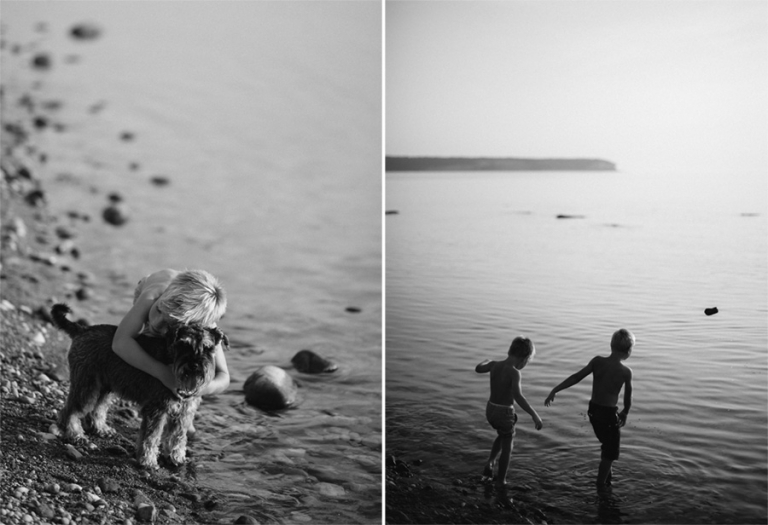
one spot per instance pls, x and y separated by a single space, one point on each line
550 399
538 422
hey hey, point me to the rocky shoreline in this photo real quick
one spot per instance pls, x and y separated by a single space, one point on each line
42 478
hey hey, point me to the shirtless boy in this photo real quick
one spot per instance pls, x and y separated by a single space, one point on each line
506 389
609 375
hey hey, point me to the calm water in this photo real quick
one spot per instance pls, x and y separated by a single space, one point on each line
266 118
474 259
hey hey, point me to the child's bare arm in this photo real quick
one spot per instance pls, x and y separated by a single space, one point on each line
484 367
627 398
517 392
126 347
220 381
572 380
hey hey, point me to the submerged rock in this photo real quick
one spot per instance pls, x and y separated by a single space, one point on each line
116 214
85 31
710 311
309 362
270 388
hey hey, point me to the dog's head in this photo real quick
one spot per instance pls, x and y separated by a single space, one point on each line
192 349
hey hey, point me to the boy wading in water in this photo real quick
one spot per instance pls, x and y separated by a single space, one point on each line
506 389
609 375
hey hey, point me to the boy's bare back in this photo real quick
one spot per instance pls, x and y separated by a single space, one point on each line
504 377
609 376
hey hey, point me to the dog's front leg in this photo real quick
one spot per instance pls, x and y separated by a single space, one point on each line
152 423
175 438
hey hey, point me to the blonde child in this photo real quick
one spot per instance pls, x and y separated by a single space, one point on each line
161 300
609 375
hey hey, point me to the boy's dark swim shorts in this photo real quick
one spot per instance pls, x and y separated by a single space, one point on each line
605 423
502 418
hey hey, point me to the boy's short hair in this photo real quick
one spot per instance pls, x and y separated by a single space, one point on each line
622 341
194 296
522 347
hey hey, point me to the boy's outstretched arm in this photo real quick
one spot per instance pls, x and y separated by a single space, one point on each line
517 392
484 367
126 347
627 399
572 380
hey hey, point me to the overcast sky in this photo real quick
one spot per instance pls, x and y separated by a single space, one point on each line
663 86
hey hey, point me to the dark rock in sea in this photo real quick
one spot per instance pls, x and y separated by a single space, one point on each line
62 232
85 31
127 136
353 309
391 212
41 61
82 294
270 388
570 216
309 362
116 214
115 198
133 166
40 122
710 311
160 180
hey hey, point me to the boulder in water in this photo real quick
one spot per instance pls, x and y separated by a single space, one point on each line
310 363
270 388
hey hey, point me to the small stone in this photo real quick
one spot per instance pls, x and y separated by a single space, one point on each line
45 511
38 339
108 485
159 180
85 31
127 136
82 294
329 489
146 513
353 309
41 61
53 488
72 452
710 311
74 487
115 215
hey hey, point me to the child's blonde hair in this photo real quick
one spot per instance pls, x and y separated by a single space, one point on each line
522 347
194 296
622 341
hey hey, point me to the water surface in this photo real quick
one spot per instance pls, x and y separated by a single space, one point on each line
475 259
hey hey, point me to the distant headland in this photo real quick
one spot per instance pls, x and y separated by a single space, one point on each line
495 164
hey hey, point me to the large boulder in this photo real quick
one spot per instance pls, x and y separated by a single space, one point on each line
310 363
270 388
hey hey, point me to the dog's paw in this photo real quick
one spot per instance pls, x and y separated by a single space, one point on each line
177 459
105 432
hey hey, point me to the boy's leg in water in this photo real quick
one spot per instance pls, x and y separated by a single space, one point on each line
488 471
604 472
506 452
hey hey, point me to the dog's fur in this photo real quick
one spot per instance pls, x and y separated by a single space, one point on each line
96 372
